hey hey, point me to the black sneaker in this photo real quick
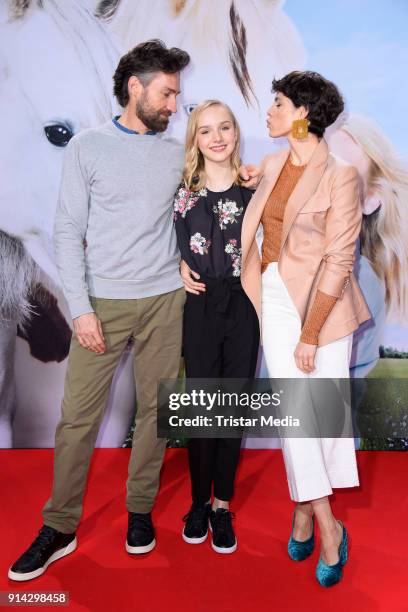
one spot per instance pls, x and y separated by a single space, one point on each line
223 536
196 524
48 546
140 535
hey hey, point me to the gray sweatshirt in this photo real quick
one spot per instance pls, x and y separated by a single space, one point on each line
117 193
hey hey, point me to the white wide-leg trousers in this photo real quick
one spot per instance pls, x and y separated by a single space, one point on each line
314 466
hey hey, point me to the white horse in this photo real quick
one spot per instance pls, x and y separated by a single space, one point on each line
56 67
236 47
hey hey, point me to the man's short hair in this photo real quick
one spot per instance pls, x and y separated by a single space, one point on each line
144 61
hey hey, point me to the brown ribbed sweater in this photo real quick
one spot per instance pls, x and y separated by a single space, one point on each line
272 221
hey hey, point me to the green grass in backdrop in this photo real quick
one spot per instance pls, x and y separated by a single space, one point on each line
391 369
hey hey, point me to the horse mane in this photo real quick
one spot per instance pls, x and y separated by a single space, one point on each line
237 51
237 56
18 276
18 8
106 9
178 6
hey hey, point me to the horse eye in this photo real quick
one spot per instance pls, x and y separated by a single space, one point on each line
189 108
58 134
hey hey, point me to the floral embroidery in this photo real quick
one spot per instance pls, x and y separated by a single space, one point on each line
231 249
199 244
227 212
185 200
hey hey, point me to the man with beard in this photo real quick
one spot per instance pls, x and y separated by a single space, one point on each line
117 256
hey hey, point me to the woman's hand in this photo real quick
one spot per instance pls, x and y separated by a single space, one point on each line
305 357
190 285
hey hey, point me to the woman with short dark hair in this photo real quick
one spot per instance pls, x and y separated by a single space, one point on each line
308 204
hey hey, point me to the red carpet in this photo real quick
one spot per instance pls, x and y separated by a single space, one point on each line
100 576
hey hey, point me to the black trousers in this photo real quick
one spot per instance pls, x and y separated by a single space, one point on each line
220 339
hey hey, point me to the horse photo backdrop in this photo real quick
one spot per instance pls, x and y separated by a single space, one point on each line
57 58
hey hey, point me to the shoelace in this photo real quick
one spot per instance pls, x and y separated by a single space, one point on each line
44 538
195 517
224 521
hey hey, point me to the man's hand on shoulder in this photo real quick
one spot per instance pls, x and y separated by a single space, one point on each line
88 331
251 174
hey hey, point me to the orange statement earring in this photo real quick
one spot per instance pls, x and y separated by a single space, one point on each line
300 129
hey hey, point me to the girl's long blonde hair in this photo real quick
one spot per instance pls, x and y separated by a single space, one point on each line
194 174
384 233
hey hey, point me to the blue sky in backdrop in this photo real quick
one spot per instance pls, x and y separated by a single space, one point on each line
362 46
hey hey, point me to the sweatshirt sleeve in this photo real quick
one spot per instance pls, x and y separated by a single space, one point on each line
70 227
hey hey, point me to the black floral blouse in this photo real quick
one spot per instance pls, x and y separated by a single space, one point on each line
208 226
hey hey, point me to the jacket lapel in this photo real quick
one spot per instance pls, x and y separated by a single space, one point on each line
305 188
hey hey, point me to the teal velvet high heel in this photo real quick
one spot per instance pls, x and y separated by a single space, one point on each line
298 551
328 575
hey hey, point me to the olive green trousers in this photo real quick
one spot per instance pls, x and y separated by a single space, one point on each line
156 325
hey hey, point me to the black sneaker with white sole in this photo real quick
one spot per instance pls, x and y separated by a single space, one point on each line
49 546
196 524
223 536
140 535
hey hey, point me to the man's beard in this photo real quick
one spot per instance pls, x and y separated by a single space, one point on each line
156 120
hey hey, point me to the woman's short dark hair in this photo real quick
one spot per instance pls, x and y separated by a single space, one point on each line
318 95
144 61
